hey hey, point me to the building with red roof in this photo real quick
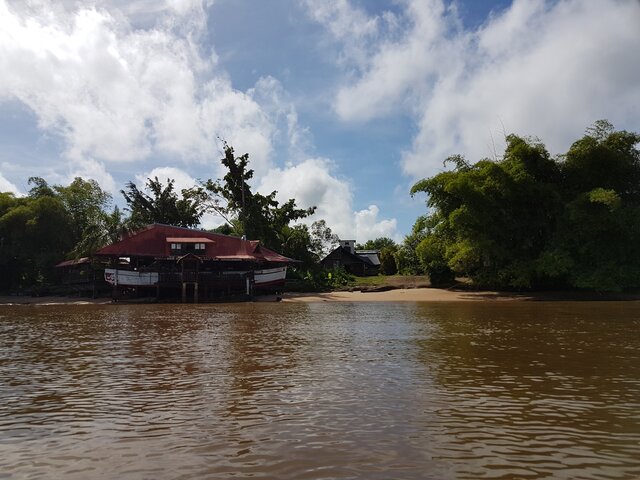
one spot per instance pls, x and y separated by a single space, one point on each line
196 263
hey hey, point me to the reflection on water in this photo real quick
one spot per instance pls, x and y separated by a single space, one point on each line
340 390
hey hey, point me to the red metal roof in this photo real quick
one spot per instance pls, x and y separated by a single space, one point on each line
153 241
189 240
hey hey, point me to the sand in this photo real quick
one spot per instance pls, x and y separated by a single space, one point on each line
50 300
405 295
395 295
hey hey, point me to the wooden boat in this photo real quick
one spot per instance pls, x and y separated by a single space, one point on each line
131 278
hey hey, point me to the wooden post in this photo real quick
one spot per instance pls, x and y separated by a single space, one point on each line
184 292
195 292
115 295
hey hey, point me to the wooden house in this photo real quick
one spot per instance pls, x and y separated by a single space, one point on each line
166 261
356 262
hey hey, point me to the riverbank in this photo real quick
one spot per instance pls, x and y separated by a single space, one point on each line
423 294
451 295
50 300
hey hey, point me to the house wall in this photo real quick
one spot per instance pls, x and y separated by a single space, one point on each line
355 266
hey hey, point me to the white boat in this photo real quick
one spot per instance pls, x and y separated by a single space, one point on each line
269 276
131 278
266 277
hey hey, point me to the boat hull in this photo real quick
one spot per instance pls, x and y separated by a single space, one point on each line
267 277
270 277
130 278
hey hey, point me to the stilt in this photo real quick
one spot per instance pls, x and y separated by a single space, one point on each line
184 292
195 292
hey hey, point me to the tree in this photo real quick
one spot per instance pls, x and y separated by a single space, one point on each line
106 228
388 261
323 240
528 220
407 261
256 216
491 220
162 205
388 250
597 243
33 238
85 202
377 244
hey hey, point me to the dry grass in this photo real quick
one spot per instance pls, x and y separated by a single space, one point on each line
391 282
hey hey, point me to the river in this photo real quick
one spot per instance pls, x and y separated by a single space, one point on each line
469 390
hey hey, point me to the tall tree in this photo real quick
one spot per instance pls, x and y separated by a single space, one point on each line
33 238
377 244
86 203
104 229
528 220
323 240
162 205
258 216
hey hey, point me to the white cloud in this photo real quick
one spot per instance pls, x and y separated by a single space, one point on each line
182 179
539 68
126 84
347 24
119 94
7 186
368 227
312 183
90 168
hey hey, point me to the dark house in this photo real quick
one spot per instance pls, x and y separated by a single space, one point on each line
356 262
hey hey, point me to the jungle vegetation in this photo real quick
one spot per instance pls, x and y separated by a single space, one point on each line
531 221
523 221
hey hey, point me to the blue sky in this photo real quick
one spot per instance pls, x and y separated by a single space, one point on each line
342 104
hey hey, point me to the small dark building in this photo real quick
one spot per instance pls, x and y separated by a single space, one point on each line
356 262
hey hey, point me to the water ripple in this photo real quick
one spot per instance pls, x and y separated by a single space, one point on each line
445 391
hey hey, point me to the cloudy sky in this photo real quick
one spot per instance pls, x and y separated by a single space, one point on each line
342 104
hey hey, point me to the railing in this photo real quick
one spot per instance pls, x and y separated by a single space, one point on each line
213 279
190 277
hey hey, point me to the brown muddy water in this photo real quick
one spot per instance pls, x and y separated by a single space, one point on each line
321 390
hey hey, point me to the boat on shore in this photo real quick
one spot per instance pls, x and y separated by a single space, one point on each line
164 262
269 277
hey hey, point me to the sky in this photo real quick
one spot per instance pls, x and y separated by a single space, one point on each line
341 104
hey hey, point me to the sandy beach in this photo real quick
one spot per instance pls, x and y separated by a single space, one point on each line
395 295
427 294
405 295
452 295
50 300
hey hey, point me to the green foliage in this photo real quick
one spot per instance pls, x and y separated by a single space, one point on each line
104 229
323 240
317 279
72 221
85 202
407 261
33 237
162 205
258 216
377 244
388 260
530 221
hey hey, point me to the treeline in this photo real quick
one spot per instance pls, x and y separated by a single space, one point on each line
524 221
530 221
56 222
